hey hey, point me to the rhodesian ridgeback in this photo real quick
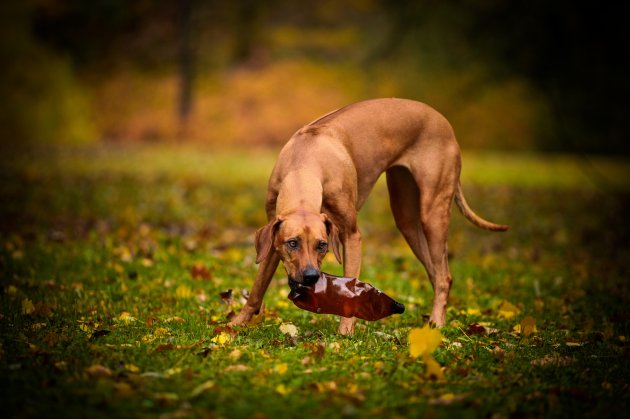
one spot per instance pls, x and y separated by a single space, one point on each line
326 171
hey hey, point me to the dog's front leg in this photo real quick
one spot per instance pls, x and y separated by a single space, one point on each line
265 272
351 269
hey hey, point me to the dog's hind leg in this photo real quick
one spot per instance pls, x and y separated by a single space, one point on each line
422 217
404 201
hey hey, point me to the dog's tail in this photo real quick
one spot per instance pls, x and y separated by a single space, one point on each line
470 214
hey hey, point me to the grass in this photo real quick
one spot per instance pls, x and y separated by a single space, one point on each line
114 260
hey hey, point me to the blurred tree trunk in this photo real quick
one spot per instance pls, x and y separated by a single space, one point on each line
247 32
186 66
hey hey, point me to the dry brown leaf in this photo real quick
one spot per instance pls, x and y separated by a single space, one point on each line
559 361
475 329
236 368
200 271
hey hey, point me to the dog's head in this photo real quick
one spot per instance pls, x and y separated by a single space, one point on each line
301 240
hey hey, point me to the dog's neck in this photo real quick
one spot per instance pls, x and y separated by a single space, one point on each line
301 190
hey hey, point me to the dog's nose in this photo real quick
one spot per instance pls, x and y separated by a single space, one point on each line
310 276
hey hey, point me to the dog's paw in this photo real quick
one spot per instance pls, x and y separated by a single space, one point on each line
248 316
346 326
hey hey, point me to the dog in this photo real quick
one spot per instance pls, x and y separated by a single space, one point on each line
323 176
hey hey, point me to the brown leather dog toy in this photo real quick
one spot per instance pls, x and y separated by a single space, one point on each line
347 297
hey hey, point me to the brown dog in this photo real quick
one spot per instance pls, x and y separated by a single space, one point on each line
326 171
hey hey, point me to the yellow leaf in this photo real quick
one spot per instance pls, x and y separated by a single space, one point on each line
424 341
508 310
434 369
183 292
282 389
12 290
473 311
172 371
222 338
281 368
27 306
161 331
528 325
132 368
289 329
126 317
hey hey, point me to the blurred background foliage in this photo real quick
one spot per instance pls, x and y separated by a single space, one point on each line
536 75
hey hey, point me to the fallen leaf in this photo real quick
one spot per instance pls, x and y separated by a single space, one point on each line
98 371
175 319
424 341
334 346
123 389
161 332
164 347
281 368
226 297
553 361
149 321
42 310
317 349
447 399
166 398
27 306
528 326
473 311
236 368
235 354
183 292
289 329
199 270
434 369
222 338
475 329
202 388
61 365
282 389
508 310
126 317
132 368
225 329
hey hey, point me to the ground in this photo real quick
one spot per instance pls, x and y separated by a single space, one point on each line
120 267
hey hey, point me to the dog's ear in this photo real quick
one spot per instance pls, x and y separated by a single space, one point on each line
333 232
264 238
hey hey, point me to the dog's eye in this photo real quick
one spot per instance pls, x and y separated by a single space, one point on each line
322 247
292 244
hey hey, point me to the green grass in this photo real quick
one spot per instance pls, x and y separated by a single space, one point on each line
112 261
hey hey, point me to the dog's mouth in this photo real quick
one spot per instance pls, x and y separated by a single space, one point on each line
295 286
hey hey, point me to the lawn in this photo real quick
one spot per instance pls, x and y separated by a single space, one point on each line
119 268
